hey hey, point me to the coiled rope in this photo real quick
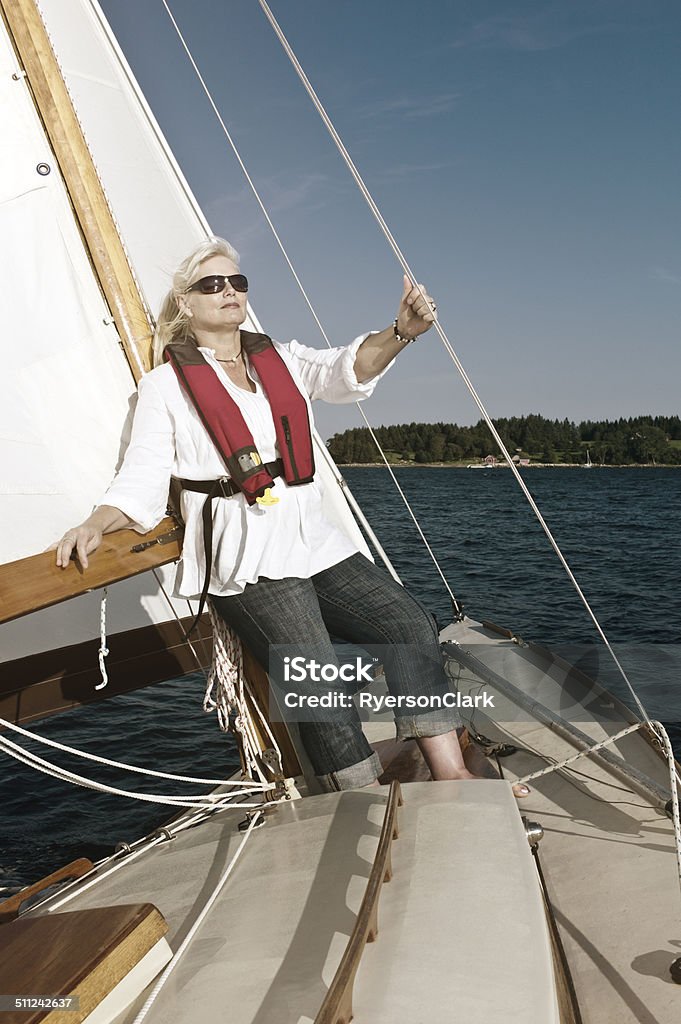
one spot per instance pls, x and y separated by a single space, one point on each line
226 690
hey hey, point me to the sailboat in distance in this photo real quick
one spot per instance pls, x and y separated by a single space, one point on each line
252 905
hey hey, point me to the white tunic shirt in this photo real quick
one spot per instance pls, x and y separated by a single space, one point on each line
291 538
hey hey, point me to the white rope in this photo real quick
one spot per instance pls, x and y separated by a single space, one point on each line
121 764
449 348
197 924
56 771
225 694
661 733
77 887
305 296
225 690
103 649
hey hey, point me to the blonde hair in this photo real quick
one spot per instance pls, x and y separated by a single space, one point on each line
172 323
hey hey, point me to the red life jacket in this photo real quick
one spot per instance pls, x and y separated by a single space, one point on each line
225 424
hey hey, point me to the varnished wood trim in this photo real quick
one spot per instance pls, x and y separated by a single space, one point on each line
9 909
80 953
45 684
337 1005
52 681
36 582
82 182
566 995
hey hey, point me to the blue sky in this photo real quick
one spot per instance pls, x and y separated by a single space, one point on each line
525 154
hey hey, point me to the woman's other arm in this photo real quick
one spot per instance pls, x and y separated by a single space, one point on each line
350 373
139 494
416 313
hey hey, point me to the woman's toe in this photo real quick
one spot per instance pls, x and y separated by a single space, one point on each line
520 790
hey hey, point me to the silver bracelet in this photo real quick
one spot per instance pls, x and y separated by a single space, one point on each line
399 337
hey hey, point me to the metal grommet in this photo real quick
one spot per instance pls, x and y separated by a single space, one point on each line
43 169
243 826
122 848
163 833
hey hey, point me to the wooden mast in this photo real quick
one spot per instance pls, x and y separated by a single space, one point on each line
90 205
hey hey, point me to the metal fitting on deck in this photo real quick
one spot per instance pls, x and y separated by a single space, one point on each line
533 831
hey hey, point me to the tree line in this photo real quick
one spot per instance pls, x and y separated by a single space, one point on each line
640 440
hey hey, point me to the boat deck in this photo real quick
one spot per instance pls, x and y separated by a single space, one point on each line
463 933
271 943
608 851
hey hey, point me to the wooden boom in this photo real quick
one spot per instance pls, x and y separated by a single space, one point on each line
37 582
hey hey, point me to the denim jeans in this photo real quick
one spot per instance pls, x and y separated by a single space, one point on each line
357 601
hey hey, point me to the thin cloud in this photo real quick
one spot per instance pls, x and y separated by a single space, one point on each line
662 274
398 172
411 107
280 196
548 29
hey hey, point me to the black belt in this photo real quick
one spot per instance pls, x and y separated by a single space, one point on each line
223 487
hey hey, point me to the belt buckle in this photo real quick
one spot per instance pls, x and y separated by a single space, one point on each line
223 482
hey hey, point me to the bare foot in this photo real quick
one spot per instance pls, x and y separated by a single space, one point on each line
520 790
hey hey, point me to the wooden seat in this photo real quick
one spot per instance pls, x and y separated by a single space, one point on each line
83 953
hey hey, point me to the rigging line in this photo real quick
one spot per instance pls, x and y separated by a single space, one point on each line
201 665
255 820
128 767
359 181
108 865
303 292
51 769
671 766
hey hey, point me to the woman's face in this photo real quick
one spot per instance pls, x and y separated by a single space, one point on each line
215 312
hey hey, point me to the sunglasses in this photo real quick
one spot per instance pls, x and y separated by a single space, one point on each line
216 283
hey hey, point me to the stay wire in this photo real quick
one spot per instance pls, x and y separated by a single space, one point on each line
303 292
402 260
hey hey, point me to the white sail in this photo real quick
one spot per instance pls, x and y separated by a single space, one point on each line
65 390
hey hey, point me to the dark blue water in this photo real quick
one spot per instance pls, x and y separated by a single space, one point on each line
619 530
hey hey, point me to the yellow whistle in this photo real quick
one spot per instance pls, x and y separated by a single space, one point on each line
267 498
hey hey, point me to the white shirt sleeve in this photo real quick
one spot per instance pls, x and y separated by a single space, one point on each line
140 489
329 373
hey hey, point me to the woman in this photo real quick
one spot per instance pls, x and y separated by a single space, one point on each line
257 540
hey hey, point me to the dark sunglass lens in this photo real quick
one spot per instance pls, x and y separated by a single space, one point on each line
216 283
210 285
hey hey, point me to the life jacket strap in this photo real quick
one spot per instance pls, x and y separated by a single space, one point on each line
223 487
